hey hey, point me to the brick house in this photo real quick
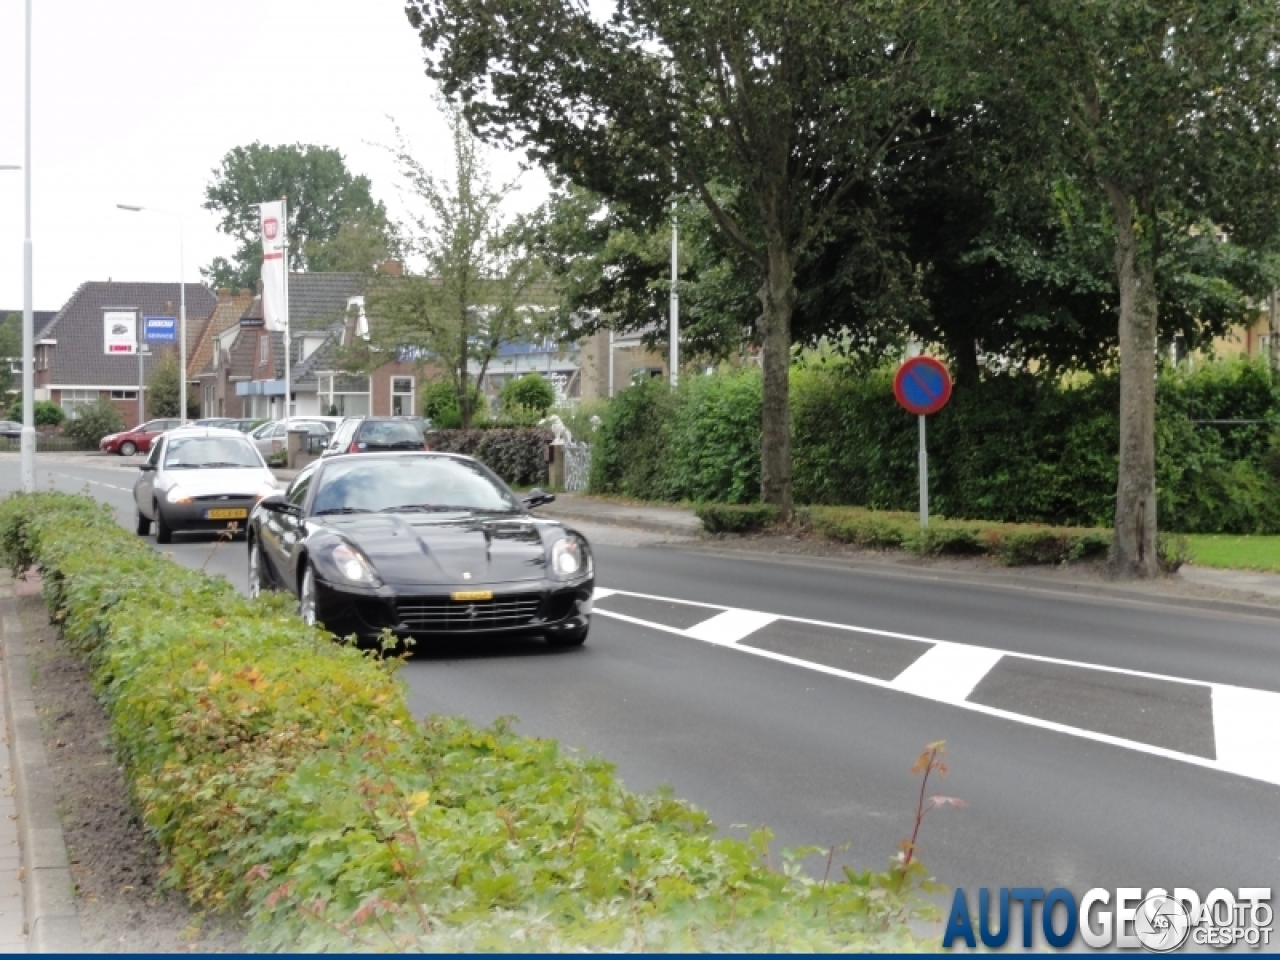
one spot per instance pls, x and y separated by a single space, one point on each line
72 367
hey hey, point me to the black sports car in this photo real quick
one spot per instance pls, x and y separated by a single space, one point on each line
426 544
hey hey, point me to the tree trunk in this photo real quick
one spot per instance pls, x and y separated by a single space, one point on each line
778 299
1273 328
1133 551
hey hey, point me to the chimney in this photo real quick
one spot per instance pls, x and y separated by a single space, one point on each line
391 268
224 294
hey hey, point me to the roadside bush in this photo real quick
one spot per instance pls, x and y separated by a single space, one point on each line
284 778
94 422
47 413
532 392
736 517
440 404
518 456
1012 448
1011 544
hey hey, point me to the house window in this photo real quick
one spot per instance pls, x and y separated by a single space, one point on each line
264 349
73 400
348 396
124 394
402 397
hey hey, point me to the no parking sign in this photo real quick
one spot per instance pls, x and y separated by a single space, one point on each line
922 386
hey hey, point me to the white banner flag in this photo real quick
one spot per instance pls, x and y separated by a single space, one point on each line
275 306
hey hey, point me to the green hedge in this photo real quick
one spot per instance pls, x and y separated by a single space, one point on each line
517 455
284 778
1012 448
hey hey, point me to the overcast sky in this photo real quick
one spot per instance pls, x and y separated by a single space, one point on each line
136 101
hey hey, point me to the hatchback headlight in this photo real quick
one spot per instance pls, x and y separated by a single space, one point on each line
570 558
352 564
267 489
177 495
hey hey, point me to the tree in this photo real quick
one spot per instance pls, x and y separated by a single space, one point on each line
93 422
1169 114
162 387
333 218
474 294
791 104
531 392
10 348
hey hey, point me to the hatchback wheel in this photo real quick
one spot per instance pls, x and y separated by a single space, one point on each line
144 524
255 569
164 533
128 448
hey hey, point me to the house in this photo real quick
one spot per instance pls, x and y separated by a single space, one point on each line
73 367
242 373
226 316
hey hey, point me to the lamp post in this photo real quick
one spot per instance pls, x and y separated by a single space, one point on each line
182 301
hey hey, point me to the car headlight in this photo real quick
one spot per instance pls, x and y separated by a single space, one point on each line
570 558
266 490
352 564
177 495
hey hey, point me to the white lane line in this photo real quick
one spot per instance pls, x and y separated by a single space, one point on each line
730 626
1246 731
1248 740
948 672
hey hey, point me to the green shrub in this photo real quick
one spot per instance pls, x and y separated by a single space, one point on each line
736 517
94 422
532 392
47 413
284 779
629 456
518 456
440 404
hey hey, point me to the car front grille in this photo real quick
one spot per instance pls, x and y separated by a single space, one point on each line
456 616
221 497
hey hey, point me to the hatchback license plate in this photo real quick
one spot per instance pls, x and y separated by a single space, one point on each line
226 514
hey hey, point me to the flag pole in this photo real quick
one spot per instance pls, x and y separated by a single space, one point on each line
288 382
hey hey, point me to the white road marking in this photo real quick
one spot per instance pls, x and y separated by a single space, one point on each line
1246 722
730 626
948 672
1246 728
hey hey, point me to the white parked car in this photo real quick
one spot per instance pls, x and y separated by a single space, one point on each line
274 436
199 478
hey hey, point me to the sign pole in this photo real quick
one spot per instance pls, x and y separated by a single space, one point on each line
924 477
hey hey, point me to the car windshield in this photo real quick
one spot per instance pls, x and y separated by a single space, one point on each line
390 435
409 485
192 452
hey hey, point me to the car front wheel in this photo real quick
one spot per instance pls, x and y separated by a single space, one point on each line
144 525
164 532
255 569
128 448
307 597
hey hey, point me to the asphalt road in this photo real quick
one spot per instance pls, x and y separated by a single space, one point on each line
1087 737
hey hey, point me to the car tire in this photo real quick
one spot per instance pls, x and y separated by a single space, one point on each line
164 532
128 448
256 583
144 524
564 640
307 596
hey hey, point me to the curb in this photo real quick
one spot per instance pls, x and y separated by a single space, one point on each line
49 905
633 523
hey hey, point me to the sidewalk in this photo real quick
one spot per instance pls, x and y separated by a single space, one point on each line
676 521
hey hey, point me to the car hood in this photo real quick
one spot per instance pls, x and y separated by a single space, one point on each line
230 480
452 549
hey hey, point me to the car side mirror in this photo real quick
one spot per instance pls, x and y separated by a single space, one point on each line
276 503
537 497
147 467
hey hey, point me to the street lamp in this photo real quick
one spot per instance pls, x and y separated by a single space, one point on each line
182 300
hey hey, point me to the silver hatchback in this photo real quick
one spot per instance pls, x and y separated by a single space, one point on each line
199 478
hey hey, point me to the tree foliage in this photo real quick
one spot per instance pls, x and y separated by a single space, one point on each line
334 221
163 389
530 392
473 294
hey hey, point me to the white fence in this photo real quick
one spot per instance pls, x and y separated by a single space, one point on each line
577 466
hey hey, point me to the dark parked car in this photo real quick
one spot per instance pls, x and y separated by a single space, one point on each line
425 544
10 429
373 434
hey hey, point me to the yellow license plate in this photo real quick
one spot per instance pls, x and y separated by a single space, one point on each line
473 595
226 514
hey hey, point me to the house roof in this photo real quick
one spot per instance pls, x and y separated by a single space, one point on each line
39 318
225 315
80 358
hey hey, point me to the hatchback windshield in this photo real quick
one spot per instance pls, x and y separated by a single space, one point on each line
210 452
409 485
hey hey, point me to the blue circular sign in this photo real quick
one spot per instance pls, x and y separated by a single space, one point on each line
922 386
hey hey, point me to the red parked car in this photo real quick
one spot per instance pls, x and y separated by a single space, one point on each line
138 440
